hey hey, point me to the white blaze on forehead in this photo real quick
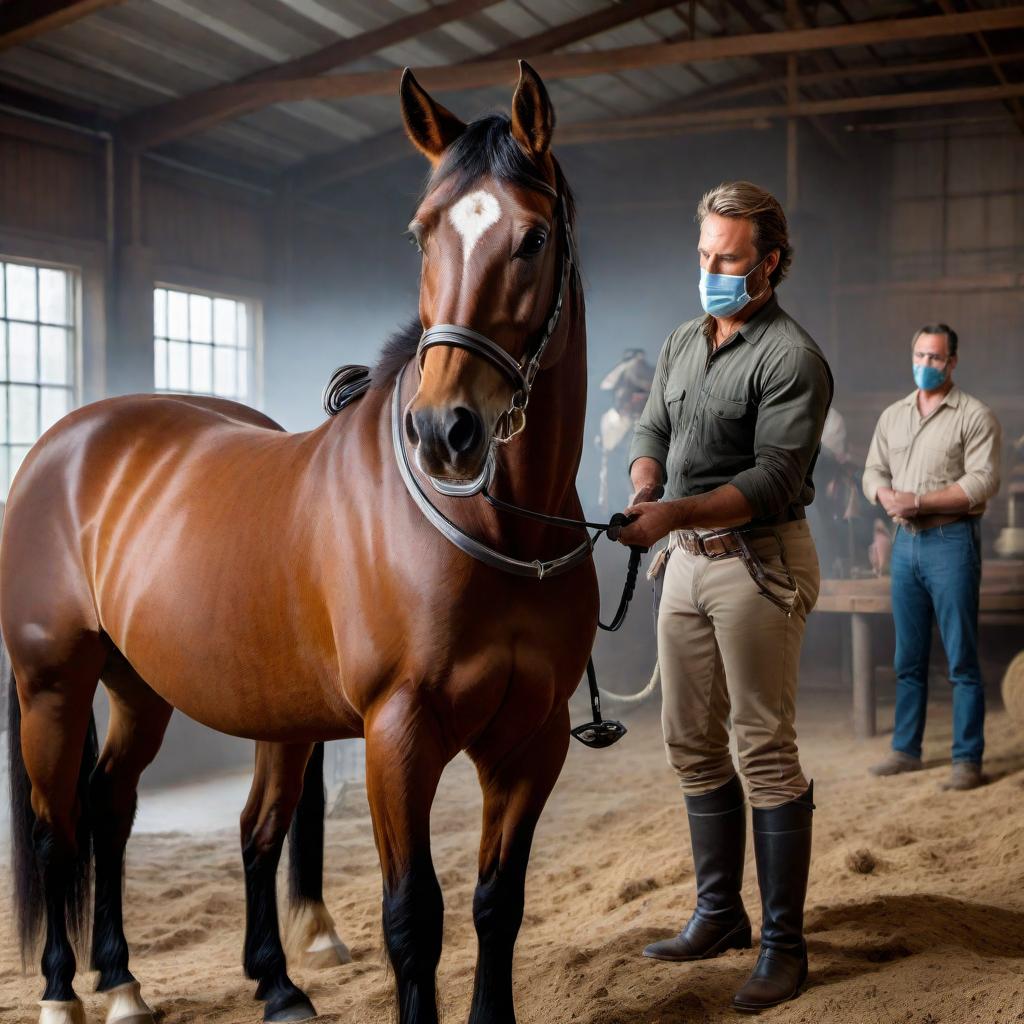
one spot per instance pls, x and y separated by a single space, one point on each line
471 216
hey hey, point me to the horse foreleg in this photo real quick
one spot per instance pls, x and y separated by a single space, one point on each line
138 720
276 787
404 760
516 784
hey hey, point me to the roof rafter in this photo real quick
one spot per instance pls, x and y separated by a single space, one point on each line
668 124
382 149
202 110
22 20
237 99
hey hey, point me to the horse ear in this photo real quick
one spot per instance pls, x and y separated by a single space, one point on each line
533 116
431 127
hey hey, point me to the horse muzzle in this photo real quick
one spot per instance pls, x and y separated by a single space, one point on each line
451 443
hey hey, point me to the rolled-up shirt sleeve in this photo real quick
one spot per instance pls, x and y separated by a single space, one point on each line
877 469
982 442
653 431
791 414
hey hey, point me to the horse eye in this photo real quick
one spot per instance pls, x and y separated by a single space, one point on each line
414 241
532 243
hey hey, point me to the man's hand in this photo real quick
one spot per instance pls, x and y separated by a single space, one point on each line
647 492
898 504
654 520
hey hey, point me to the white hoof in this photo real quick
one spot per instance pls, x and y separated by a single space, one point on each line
312 939
126 1005
326 950
55 1011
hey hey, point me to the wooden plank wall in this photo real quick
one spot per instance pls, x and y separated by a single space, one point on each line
951 249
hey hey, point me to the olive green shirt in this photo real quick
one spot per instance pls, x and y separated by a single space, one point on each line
957 443
749 413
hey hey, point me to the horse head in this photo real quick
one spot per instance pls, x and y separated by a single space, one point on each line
494 229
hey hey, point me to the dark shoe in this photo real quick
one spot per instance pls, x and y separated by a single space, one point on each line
896 763
964 775
782 849
718 832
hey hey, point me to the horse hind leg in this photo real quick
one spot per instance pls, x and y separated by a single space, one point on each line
275 792
312 938
138 721
52 750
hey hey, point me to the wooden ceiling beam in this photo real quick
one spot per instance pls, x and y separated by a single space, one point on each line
1015 107
199 111
387 147
237 99
669 123
22 20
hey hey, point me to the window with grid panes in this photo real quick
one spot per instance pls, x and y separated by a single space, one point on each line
38 365
203 344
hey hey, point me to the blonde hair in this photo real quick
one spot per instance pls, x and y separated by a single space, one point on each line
762 209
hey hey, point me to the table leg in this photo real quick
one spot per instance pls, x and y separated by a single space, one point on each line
863 677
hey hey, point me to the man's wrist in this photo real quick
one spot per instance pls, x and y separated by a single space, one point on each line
682 513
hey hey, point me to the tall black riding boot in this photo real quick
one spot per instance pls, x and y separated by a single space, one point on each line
782 848
718 831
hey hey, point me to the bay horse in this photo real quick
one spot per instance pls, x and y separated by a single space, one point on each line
295 588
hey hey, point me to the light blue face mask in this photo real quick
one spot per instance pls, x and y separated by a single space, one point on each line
928 378
724 294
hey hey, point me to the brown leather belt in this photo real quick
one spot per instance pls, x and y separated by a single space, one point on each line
921 523
708 545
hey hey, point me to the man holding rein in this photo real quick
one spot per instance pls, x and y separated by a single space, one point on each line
731 431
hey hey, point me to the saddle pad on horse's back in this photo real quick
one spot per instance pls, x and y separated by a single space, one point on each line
347 383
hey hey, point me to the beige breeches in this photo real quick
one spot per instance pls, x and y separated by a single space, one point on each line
726 649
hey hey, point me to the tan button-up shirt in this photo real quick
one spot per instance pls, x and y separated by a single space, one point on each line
958 443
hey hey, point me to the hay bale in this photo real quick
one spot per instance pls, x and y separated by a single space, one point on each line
1013 689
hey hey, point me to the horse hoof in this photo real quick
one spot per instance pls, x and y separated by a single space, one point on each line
126 1005
312 938
299 1009
326 950
57 1011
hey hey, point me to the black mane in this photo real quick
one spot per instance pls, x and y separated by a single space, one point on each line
485 148
397 351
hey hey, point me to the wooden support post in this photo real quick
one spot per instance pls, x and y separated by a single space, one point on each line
792 142
129 350
863 677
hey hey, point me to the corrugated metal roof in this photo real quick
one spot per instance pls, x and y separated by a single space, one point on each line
141 53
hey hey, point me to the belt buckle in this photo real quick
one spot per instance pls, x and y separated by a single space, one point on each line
714 555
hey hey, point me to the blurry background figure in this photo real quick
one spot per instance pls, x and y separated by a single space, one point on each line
630 383
833 435
841 519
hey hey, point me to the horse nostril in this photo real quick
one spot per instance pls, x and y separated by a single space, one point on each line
410 430
464 430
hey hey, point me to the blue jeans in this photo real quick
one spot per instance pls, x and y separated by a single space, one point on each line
938 570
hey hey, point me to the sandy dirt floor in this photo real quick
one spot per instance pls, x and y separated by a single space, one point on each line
915 912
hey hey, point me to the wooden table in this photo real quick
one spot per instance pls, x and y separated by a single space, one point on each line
1002 603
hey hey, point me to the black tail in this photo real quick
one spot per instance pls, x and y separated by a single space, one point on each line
306 835
27 889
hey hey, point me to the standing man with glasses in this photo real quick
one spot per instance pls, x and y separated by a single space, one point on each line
731 430
932 466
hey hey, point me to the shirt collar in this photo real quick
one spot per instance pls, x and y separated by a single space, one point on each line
951 398
754 328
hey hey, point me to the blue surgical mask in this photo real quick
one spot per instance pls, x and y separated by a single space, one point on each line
724 294
928 378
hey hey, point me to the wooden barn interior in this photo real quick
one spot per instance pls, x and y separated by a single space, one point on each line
212 198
